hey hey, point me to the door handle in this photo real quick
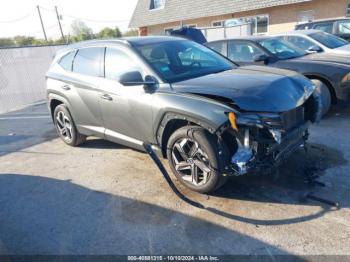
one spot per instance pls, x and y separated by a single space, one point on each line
66 87
107 97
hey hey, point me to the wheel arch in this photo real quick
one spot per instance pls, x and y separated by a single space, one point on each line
172 122
55 100
327 82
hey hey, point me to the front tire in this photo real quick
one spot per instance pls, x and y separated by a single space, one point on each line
326 97
66 128
193 156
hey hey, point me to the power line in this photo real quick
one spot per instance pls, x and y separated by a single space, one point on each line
19 18
86 19
97 21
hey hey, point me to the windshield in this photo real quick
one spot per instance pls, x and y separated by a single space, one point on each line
182 59
331 41
282 49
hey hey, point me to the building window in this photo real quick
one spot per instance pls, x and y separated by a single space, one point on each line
348 9
217 24
306 16
157 4
259 24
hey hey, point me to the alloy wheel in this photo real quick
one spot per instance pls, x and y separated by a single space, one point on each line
191 162
64 126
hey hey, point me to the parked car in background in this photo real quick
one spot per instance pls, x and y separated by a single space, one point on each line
339 27
208 116
331 74
317 41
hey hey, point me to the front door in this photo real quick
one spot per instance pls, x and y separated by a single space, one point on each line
126 110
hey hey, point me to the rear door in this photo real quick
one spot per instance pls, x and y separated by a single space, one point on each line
84 89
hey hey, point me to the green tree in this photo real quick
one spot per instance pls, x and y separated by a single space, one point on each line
41 42
108 32
80 31
6 41
21 40
131 32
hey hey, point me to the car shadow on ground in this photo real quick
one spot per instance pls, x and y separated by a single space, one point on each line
41 215
290 185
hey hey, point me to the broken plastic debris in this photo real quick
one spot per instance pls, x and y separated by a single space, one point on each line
277 135
241 159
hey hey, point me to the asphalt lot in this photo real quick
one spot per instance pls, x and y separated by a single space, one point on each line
102 198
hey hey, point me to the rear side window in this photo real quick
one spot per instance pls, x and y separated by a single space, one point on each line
89 61
325 27
218 47
344 27
66 61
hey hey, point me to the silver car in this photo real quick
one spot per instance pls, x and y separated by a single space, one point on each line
206 115
316 41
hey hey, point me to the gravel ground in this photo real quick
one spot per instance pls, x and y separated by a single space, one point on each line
102 198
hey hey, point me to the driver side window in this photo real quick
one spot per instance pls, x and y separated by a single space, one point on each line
300 42
243 52
117 62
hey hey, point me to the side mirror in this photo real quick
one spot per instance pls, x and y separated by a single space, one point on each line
315 49
261 58
135 78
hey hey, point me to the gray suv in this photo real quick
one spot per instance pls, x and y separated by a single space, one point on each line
206 115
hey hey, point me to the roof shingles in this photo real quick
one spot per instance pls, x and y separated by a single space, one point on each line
177 10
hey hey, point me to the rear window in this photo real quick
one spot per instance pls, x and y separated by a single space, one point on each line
66 61
89 61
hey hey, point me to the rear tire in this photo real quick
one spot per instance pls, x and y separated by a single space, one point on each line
66 128
326 97
193 156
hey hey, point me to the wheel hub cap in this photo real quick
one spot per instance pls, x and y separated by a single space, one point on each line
64 126
191 162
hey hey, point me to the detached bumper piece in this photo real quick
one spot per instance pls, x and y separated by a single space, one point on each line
247 160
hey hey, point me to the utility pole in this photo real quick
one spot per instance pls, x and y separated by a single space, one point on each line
42 24
59 23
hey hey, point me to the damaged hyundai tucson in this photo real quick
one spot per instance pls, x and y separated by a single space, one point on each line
209 117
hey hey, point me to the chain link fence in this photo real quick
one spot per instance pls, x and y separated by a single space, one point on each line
22 75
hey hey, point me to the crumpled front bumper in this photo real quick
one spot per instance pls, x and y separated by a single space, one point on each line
245 160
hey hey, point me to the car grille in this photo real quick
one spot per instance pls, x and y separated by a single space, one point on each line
293 118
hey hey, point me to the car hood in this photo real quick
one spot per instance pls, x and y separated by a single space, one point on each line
327 58
252 88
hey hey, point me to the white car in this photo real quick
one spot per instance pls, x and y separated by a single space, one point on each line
313 41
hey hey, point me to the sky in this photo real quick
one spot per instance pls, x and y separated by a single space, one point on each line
20 17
